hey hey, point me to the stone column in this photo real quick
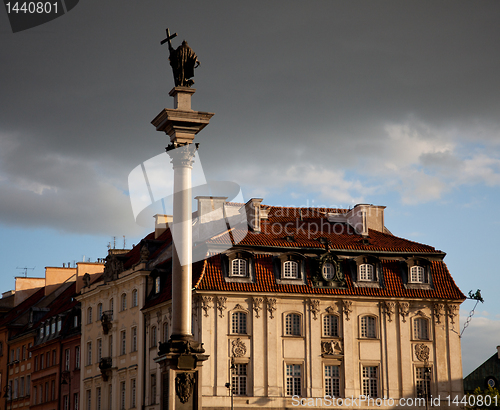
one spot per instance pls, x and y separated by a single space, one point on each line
181 357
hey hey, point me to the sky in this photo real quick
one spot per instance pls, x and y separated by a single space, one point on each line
317 103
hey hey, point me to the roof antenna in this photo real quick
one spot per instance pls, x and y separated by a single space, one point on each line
26 270
114 242
124 242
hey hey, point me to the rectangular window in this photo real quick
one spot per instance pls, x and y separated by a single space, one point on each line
24 352
21 387
165 332
66 402
123 342
53 390
239 322
14 392
370 381
153 388
122 396
42 361
368 327
77 357
292 324
89 400
48 358
66 360
110 396
293 380
332 381
28 385
330 326
134 298
134 340
18 354
89 354
99 349
239 379
29 350
423 381
110 345
133 394
34 395
98 398
76 401
54 358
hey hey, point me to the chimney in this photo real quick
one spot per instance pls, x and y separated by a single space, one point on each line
364 217
498 351
252 208
161 223
207 205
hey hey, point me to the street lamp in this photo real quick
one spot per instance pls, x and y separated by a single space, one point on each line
7 391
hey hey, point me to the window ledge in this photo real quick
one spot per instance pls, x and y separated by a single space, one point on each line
368 284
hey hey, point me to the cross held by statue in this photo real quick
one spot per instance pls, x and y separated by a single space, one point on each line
169 37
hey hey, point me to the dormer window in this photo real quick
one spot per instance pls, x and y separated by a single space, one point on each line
41 332
157 285
417 274
366 272
239 268
290 270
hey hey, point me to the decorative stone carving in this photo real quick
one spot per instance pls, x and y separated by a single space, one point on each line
389 308
239 348
346 306
144 253
314 306
271 306
331 310
438 311
239 307
332 347
112 268
158 317
452 312
146 319
221 305
257 305
184 383
86 280
206 303
404 310
170 314
422 352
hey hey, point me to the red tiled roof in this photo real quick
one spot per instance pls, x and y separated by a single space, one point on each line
444 286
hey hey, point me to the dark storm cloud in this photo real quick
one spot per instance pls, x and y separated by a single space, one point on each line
312 82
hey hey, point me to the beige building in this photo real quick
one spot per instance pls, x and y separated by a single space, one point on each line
112 336
309 303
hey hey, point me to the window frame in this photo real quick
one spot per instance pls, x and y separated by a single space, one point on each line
417 333
369 378
365 329
290 386
239 379
123 302
291 329
239 326
135 298
336 326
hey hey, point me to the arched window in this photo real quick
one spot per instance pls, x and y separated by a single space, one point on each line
421 329
330 326
366 272
369 327
239 267
328 271
123 301
290 270
417 274
89 315
154 336
135 301
292 324
111 305
239 322
99 311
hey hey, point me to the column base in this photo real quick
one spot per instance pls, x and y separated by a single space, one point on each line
181 360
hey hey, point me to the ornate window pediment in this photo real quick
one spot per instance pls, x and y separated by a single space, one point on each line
238 266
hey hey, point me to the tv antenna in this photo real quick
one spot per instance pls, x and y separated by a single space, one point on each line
25 269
